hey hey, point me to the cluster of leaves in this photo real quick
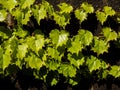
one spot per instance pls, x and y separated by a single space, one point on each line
59 53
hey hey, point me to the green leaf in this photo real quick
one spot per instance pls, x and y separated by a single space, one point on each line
87 7
100 46
85 36
26 17
115 71
62 19
34 62
54 81
72 82
67 70
53 53
9 4
93 63
54 35
76 60
76 45
7 58
81 15
39 42
109 34
65 8
20 32
52 64
101 16
59 38
22 50
39 12
3 15
108 11
27 3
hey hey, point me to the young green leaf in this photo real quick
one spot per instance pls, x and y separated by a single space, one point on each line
7 57
3 15
115 71
26 18
9 4
100 46
62 19
108 11
80 15
87 7
39 12
67 70
27 3
75 60
93 63
109 34
101 16
59 38
76 46
22 50
85 36
65 8
34 62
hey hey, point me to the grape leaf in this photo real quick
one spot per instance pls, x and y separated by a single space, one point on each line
115 71
27 3
76 45
72 82
9 4
93 63
109 34
39 12
7 57
87 7
54 35
80 15
65 8
26 17
54 81
62 19
101 16
3 15
59 38
39 42
34 62
22 50
100 46
85 36
75 60
53 53
108 11
67 70
52 64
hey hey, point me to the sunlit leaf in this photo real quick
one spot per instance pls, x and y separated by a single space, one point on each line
101 16
3 15
65 8
81 15
87 7
109 11
109 34
22 50
27 3
67 70
115 71
100 46
93 63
